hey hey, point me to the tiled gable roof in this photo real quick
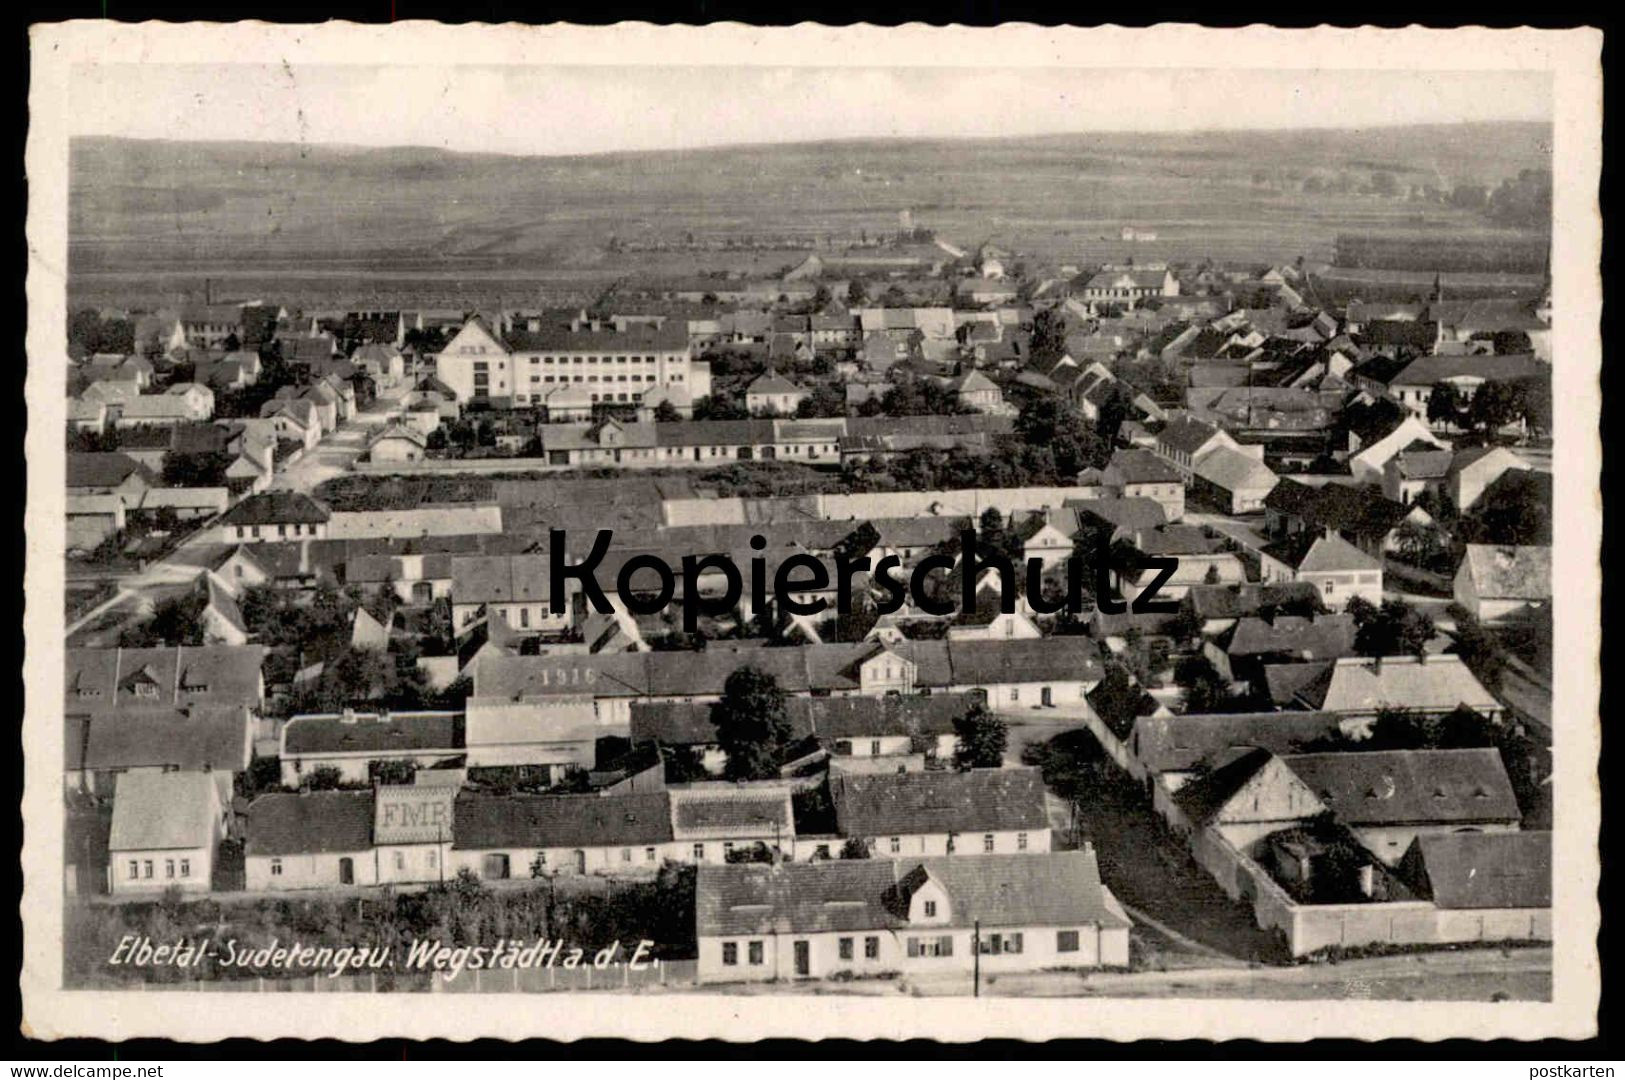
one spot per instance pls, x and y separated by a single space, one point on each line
1054 889
1510 573
560 821
1474 870
979 800
163 811
1391 787
309 823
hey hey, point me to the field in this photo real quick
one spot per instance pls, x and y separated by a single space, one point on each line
325 226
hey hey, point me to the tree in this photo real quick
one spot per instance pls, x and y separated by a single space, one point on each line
753 725
175 621
684 764
857 293
666 413
392 771
821 297
1049 336
1535 403
755 853
1394 629
1494 406
856 847
323 778
1047 421
1447 405
196 470
983 738
825 400
1205 689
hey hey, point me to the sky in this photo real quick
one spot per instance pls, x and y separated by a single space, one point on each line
581 110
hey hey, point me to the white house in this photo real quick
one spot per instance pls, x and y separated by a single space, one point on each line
1497 583
164 832
1333 565
979 812
816 920
312 839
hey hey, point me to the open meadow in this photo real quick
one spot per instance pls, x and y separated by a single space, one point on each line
150 220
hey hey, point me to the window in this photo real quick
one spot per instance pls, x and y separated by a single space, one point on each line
1021 841
874 747
146 868
896 845
400 860
1015 693
169 868
937 946
648 854
524 618
987 843
1066 941
930 909
727 849
845 947
626 854
434 857
1012 943
871 948
756 953
699 852
730 953
276 867
135 869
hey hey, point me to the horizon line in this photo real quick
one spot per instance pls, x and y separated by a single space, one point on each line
827 141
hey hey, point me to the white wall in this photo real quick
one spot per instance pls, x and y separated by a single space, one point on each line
1096 947
161 864
319 870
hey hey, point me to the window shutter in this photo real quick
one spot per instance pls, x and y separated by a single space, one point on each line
947 945
913 947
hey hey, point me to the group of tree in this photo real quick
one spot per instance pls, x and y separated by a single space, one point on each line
1393 629
753 730
1050 424
1515 510
1495 405
197 469
89 333
175 620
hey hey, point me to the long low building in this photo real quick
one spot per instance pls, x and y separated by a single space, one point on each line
1012 675
428 832
756 923
859 727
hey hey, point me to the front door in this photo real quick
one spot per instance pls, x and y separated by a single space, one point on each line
581 862
803 959
346 871
1046 698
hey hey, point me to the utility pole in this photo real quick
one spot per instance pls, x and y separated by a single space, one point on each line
976 958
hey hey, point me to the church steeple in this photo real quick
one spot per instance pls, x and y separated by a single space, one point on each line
1438 289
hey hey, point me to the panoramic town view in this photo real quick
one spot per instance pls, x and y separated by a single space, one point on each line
1251 696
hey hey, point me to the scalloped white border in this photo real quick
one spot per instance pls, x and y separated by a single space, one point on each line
1572 57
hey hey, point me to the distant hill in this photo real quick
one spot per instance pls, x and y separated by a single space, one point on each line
137 204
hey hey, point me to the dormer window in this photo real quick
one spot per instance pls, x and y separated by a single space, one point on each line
930 909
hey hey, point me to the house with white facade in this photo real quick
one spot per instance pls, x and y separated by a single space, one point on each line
880 916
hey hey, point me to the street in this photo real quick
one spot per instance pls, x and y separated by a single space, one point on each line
331 457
